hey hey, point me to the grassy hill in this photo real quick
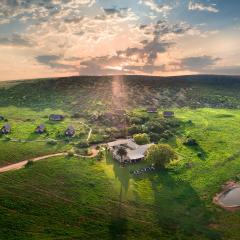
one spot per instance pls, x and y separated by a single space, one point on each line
80 198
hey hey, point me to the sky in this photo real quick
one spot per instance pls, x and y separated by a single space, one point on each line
54 38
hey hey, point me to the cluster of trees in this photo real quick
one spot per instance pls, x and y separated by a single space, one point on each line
160 155
157 128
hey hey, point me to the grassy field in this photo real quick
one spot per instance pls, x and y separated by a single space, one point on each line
77 198
23 143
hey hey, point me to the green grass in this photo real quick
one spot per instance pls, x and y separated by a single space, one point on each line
72 198
29 144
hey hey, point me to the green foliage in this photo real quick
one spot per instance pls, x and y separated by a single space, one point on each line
134 129
156 126
160 155
29 164
190 142
71 153
52 142
141 138
122 152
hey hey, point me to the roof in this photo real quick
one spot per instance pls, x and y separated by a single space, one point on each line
134 151
152 109
70 131
70 128
7 127
129 142
139 152
168 113
56 117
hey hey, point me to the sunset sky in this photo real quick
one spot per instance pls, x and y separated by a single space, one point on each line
50 38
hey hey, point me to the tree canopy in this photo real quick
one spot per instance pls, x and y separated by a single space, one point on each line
160 155
141 138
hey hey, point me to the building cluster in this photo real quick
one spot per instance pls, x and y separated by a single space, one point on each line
40 129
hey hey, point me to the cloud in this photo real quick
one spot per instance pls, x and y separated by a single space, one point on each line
160 8
16 40
198 63
53 61
197 6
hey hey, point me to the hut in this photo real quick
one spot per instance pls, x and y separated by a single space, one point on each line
70 131
168 114
40 129
6 129
152 110
56 117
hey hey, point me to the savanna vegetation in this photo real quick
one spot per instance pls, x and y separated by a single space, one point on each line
95 198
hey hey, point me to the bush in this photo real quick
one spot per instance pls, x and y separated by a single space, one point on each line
141 138
154 137
82 145
134 129
29 164
100 155
190 142
52 142
136 120
155 126
76 115
70 153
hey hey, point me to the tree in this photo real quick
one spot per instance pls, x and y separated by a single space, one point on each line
141 138
122 152
160 155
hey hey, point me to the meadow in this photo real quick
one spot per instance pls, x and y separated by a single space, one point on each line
79 198
82 198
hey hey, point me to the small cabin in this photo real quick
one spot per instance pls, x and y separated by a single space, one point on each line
70 131
40 129
168 114
1 118
6 129
56 117
152 110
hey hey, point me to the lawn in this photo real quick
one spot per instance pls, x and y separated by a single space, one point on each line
78 198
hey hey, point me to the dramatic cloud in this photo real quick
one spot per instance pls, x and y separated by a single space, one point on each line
202 7
199 63
97 37
16 40
53 61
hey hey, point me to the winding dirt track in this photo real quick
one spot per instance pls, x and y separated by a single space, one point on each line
21 164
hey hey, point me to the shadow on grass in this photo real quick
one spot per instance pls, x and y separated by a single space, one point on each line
178 209
120 173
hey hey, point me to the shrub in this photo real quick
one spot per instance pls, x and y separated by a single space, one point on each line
154 126
70 153
52 142
154 137
76 115
82 145
141 138
134 129
29 164
136 120
190 142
